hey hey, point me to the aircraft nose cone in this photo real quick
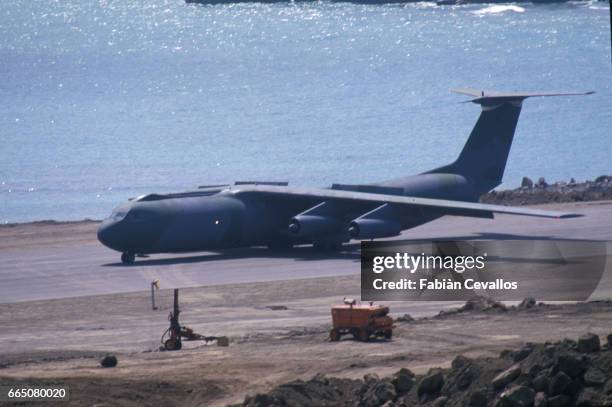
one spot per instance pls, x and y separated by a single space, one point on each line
107 235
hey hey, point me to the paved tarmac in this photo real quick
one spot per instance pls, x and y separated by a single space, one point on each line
46 261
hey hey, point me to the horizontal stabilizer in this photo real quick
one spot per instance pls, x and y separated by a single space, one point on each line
485 97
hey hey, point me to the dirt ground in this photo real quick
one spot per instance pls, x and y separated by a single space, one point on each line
62 341
278 330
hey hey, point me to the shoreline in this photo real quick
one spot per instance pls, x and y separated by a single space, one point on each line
530 193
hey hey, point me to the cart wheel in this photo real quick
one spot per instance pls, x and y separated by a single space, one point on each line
362 335
389 334
334 335
172 344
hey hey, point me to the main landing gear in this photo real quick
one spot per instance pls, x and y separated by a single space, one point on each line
128 257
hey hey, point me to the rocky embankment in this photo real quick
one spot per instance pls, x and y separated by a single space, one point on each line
565 373
540 192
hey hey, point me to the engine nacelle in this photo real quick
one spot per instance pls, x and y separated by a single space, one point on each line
372 228
380 222
320 220
313 225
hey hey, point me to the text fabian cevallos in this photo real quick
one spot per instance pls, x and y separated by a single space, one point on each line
431 263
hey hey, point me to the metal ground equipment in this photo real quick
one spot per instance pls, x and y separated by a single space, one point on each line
174 335
360 320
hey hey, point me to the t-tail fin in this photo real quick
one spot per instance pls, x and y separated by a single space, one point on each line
485 153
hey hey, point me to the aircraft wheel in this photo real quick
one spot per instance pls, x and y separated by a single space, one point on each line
127 257
388 334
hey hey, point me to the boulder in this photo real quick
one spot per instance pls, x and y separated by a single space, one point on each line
522 353
517 396
589 398
588 343
378 394
542 182
594 377
528 302
506 377
109 361
460 361
541 383
559 383
440 401
560 400
569 364
540 400
403 381
405 318
431 383
478 399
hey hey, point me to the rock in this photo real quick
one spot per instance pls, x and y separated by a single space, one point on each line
589 398
464 378
431 383
521 353
389 404
588 343
527 183
109 361
370 378
506 377
440 402
277 307
541 383
560 400
378 394
559 383
542 182
480 303
403 381
517 396
594 377
569 364
460 361
405 318
478 399
540 400
528 302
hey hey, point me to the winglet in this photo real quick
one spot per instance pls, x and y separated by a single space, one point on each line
482 97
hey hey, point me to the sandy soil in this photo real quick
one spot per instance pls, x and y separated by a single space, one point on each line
62 341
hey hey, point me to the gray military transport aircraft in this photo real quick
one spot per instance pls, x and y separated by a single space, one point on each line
274 214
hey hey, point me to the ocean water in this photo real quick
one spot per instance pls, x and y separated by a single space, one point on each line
104 100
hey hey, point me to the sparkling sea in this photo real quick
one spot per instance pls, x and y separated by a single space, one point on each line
104 100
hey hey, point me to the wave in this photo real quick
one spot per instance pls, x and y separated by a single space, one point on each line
497 9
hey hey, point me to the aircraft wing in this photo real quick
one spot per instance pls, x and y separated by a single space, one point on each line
449 207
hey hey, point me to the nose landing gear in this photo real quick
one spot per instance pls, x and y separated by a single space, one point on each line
128 257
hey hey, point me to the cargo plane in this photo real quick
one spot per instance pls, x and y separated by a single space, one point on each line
276 215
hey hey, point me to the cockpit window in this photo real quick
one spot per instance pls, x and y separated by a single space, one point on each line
118 214
139 215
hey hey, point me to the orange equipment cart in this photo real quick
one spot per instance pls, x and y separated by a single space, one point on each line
360 320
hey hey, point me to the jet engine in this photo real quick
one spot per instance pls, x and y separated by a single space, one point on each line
381 222
316 221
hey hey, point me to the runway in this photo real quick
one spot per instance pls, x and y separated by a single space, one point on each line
46 261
